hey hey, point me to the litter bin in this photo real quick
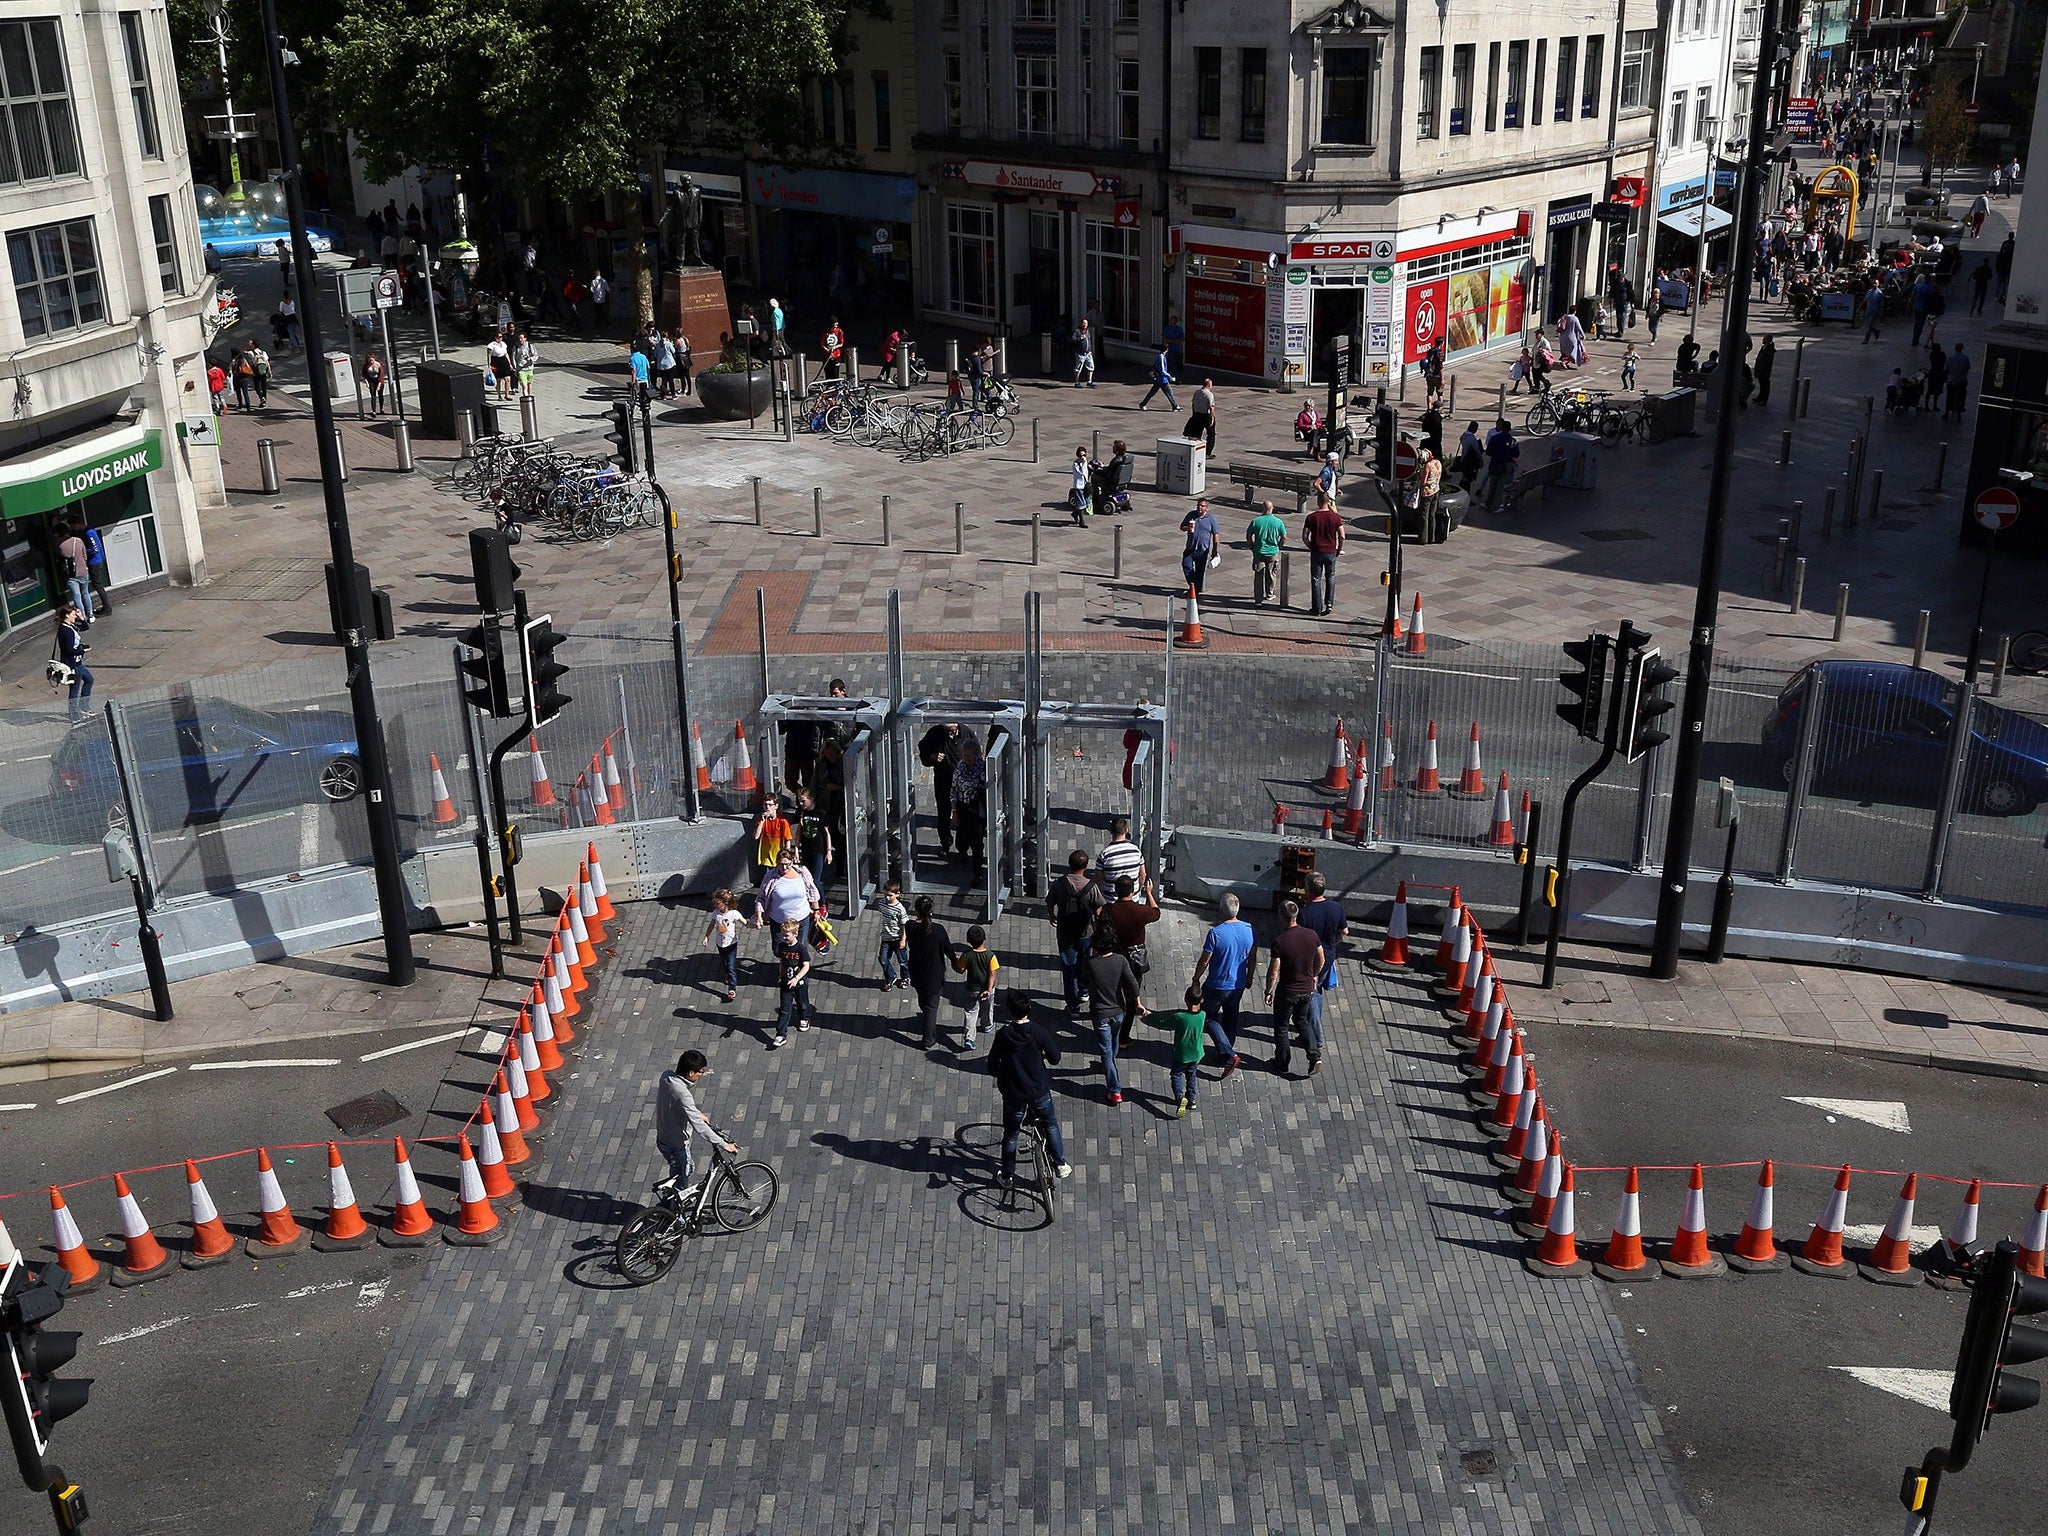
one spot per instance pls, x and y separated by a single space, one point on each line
1180 466
1676 409
446 390
341 376
1580 452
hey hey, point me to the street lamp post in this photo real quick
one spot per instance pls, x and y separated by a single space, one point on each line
355 636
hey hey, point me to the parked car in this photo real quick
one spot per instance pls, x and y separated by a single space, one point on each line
1884 734
202 759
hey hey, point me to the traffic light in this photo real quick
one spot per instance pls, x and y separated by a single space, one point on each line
538 642
485 682
491 563
373 605
1641 703
33 1397
620 434
1386 429
1991 1342
1587 683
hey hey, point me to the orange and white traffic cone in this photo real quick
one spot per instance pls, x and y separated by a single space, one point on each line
1556 1254
142 1256
565 973
1454 918
505 1121
1338 774
1329 824
85 1270
444 807
544 1043
560 1003
2034 1245
1890 1260
1453 980
586 903
1947 1266
579 931
1822 1253
520 1089
606 912
211 1243
1520 1073
1474 1022
1522 826
1498 1110
1623 1258
1191 627
1520 1186
600 802
579 980
1689 1257
1418 640
539 791
276 1230
614 791
478 1224
1427 780
1549 1185
538 1089
698 762
1354 803
743 780
345 1227
490 1154
1391 625
1394 948
410 1225
1389 782
1755 1251
1491 1051
1472 782
1503 835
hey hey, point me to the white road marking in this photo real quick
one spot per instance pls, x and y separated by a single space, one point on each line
1919 1237
229 1066
412 1045
314 1290
126 1082
1929 1389
309 837
142 1332
34 757
5 1107
372 1293
1888 1114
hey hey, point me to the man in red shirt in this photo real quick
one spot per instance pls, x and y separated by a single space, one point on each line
1323 533
1291 977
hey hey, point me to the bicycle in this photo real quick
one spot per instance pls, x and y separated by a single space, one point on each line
1577 411
2027 651
1045 1179
738 1195
1619 423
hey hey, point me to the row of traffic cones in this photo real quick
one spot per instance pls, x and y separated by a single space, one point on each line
1346 773
1414 640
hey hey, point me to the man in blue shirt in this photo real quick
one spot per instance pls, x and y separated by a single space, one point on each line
1173 336
1223 972
638 359
1325 919
1200 527
1162 382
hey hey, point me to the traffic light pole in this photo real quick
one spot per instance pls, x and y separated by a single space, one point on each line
362 689
693 809
1699 663
1561 871
504 821
483 836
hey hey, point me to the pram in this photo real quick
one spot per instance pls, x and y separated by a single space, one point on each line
1905 396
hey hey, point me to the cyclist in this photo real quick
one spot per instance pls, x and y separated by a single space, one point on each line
676 1117
1017 1059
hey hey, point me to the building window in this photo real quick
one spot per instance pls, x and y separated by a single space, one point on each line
885 131
1635 68
1567 77
971 258
1518 82
1347 96
1035 10
1037 96
828 110
1674 130
1429 97
1127 103
949 13
1208 93
38 138
1251 95
952 87
1536 82
1702 114
139 92
1699 18
1463 58
849 124
1109 273
165 235
1589 78
1492 86
1127 13
56 277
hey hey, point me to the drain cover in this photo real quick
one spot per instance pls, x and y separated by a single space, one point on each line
263 996
1483 1462
371 1112
1614 535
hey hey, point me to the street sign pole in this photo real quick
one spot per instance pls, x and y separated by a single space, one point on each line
1995 508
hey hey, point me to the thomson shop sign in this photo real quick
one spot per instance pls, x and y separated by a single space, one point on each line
48 481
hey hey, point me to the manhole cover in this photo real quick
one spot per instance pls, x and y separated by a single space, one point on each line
1614 535
371 1112
268 580
1483 1462
1584 992
263 996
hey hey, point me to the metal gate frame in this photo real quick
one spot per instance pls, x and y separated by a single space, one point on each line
1148 778
1005 720
867 774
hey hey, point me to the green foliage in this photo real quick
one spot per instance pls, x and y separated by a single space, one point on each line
1945 133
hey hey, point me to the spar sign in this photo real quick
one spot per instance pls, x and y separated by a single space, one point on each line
51 480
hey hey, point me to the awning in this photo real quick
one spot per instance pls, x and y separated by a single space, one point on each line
1687 220
58 476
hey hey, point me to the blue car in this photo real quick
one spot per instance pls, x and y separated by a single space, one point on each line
204 759
1884 733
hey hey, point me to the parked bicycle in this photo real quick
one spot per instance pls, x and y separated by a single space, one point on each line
1561 411
735 1196
1619 423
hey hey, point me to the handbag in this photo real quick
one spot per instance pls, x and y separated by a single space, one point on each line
60 674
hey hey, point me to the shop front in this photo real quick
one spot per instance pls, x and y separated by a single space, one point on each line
1690 235
834 242
1232 300
101 477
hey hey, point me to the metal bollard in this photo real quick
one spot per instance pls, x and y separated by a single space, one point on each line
757 501
903 367
1452 408
1940 465
1095 452
885 522
1876 494
1034 439
1798 371
1920 640
952 356
1798 525
1827 514
1035 521
1500 402
1841 609
1045 353
788 417
465 434
266 464
803 377
1286 578
817 511
1778 564
1404 386
1999 659
529 417
401 441
853 364
1002 357
1784 447
341 455
1798 585
959 528
1116 552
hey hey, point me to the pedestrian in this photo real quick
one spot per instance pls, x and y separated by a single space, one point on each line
70 648
787 894
773 835
677 1118
373 380
1119 857
1503 453
1923 298
1324 918
685 362
1081 493
1223 970
525 358
1188 1025
1432 424
793 964
1873 309
1084 355
1265 535
892 954
939 750
1629 359
1162 382
1980 208
217 386
642 372
1017 1058
1471 455
663 363
1980 285
1199 553
95 562
1112 477
1937 306
970 800
1292 976
1201 425
978 963
1937 379
2012 175
723 932
498 357
778 345
1766 360
832 347
1322 534
242 369
1071 905
928 952
600 291
1174 336
813 837
77 568
1328 476
1112 999
1653 312
1958 382
1571 340
1128 917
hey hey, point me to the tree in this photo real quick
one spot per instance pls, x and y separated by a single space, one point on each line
1945 132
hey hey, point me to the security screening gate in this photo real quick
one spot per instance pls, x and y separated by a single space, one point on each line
1147 775
861 837
999 725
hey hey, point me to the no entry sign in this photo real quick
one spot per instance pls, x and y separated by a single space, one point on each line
1997 507
1404 460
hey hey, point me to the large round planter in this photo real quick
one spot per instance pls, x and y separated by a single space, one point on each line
735 396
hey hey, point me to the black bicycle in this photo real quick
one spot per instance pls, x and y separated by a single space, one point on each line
2027 651
735 1197
1043 1176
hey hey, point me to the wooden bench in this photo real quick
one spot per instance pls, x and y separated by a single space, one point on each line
1532 480
1301 484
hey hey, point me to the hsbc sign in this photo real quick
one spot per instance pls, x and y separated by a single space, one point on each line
1345 248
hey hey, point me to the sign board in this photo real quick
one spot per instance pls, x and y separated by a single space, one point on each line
1838 306
1997 507
200 432
46 482
882 247
1379 337
359 290
1379 302
1971 109
390 291
1377 368
1066 181
1404 459
1345 248
884 235
1296 289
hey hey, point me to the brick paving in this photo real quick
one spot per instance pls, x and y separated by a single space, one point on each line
1284 1312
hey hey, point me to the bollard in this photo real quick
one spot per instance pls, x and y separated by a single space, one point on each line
1876 494
1002 357
1778 564
1920 640
1034 439
817 511
885 522
341 455
1841 609
1784 447
1045 353
952 357
1404 386
1095 452
1798 371
1452 408
788 417
266 463
959 528
1286 578
852 365
757 501
903 367
1851 489
1500 402
401 441
1035 520
1940 465
1998 661
1805 397
803 380
1798 585
1827 514
465 433
1116 553
1797 523
529 417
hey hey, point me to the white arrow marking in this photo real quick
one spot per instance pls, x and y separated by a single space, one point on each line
1865 1237
1879 1112
1927 1388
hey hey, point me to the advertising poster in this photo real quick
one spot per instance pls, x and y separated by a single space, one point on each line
1226 325
1467 312
1425 316
1508 297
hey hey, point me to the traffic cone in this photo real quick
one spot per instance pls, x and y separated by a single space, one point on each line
579 931
1549 1185
345 1227
538 1089
142 1257
1338 774
544 1043
490 1154
743 780
1427 780
505 1120
614 791
1522 826
410 1225
1491 1051
444 808
565 974
521 1090
1890 1260
606 912
1191 626
1418 641
1329 824
85 1270
478 1224
539 792
1520 1186
579 979
1394 948
1755 1251
1556 1254
2034 1246
600 802
211 1243
1947 1260
1354 803
1497 1117
1623 1258
1454 917
1503 835
1393 619
698 760
1388 782
558 1002
1472 782
1822 1254
1453 979
586 903
1508 1155
1474 1023
1690 1258
276 1231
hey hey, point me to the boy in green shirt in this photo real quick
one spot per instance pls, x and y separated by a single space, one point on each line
980 964
1266 535
1189 1028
